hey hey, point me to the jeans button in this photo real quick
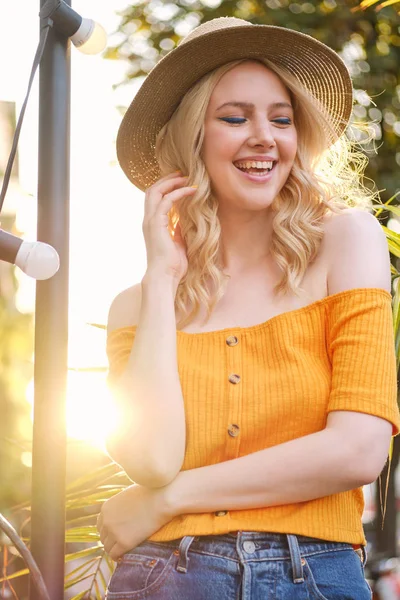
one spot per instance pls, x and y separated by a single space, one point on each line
249 547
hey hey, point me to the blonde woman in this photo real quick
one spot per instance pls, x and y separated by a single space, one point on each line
254 365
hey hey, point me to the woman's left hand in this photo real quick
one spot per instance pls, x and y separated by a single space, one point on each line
130 517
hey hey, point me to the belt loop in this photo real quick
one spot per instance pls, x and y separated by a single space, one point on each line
183 553
364 553
297 561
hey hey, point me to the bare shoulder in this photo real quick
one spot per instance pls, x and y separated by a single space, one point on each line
348 218
125 308
357 251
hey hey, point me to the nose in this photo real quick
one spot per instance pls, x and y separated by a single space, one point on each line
262 134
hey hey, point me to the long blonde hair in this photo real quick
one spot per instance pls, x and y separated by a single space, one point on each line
324 177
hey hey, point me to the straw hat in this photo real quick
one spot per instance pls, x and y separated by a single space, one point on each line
214 43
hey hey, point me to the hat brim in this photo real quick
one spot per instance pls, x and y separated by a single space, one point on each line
315 65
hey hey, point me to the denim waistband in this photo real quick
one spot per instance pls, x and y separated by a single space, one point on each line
255 545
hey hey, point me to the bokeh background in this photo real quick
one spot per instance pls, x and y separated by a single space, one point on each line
107 251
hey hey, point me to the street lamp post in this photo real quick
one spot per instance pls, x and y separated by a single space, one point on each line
51 320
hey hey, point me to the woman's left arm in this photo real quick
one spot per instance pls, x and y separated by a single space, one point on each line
350 452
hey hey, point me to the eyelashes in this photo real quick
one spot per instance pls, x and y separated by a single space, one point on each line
240 120
283 121
234 120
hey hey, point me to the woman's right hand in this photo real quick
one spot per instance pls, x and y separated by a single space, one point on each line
164 253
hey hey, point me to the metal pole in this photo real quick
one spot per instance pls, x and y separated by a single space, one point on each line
51 323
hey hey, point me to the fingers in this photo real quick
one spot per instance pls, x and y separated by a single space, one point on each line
111 546
169 199
109 543
166 179
106 539
115 552
101 528
166 184
103 535
162 187
165 204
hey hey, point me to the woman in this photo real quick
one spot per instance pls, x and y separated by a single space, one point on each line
253 409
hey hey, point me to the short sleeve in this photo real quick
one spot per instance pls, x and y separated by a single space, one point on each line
119 346
361 348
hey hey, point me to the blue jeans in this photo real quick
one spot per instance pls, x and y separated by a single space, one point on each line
244 565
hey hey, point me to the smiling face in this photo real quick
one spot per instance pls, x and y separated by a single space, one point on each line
249 128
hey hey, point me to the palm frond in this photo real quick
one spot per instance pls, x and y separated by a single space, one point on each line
98 325
80 596
365 4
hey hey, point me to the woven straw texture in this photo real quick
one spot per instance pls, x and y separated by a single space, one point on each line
321 71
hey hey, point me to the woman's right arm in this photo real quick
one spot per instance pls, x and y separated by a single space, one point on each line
149 442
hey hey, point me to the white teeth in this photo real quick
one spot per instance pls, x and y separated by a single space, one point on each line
255 164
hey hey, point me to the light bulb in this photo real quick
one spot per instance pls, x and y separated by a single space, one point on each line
38 260
87 35
90 38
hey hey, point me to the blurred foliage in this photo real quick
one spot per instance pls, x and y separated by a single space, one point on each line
367 40
16 370
88 568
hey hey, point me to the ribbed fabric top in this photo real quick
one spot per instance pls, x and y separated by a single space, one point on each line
250 388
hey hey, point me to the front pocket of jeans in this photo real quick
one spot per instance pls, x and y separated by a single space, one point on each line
311 583
137 573
336 575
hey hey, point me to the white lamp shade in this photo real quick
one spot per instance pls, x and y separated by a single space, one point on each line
38 260
90 38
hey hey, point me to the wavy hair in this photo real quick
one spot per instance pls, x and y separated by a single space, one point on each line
325 177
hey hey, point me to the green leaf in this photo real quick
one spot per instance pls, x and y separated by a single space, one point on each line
14 575
96 498
106 490
393 209
392 235
98 475
73 577
80 596
83 553
78 580
396 323
380 206
110 563
103 579
394 249
393 239
86 534
97 590
78 520
98 325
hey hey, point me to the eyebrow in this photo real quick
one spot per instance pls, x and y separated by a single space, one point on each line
250 105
